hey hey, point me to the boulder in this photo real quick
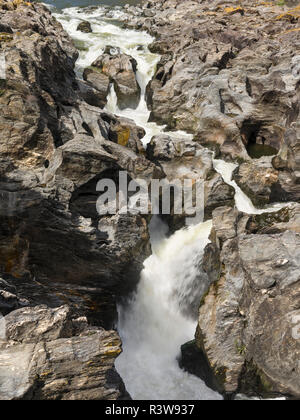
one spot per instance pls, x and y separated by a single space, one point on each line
49 354
121 70
98 81
84 27
183 159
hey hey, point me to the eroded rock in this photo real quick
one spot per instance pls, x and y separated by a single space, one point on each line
120 69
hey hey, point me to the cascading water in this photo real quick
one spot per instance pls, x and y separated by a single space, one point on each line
153 327
242 201
152 324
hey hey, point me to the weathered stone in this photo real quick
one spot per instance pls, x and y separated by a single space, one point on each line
121 70
253 300
84 27
183 159
50 354
100 82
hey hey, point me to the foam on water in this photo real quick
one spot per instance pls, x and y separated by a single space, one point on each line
153 328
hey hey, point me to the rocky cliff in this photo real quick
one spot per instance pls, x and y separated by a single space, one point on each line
229 74
55 250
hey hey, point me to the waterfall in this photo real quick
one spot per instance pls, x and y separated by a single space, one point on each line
153 324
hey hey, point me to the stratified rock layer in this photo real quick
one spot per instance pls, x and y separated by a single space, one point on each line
50 354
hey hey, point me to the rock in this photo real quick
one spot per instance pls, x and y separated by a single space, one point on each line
194 361
265 185
183 159
124 132
121 70
252 301
9 300
84 27
49 354
56 143
98 81
95 91
226 74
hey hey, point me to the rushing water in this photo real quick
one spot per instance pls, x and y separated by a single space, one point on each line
152 325
63 4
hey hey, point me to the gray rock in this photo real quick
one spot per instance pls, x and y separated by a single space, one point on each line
121 70
248 320
49 354
183 159
100 82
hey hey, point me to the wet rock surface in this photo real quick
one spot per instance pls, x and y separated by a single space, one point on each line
184 159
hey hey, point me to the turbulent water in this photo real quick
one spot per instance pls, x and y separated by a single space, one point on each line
153 325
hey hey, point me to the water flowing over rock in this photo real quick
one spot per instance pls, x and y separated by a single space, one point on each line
183 159
51 354
228 76
54 148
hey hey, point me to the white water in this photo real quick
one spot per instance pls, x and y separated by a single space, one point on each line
151 325
242 201
131 42
153 328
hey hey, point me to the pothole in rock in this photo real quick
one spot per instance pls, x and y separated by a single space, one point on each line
257 145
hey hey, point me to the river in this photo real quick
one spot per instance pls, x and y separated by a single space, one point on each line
151 325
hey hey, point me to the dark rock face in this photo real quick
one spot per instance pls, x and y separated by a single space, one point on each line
194 361
56 143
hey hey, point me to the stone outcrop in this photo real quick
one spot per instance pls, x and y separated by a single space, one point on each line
229 74
56 143
183 159
85 27
50 354
248 320
119 69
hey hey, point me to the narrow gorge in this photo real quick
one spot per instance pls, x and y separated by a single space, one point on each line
138 305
